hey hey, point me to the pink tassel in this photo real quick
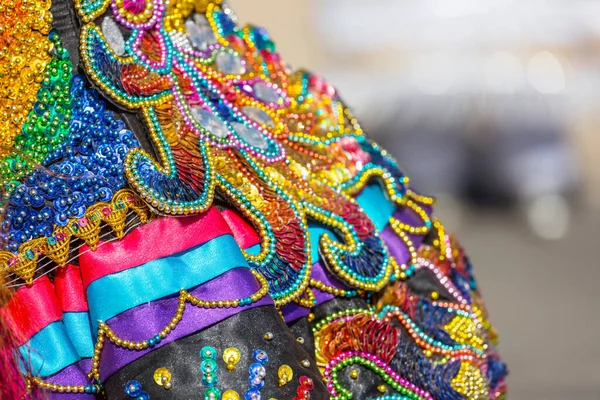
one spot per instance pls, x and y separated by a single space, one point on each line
13 385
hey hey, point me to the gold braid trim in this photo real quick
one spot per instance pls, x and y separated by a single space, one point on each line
87 228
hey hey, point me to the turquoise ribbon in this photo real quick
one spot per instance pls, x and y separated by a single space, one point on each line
49 351
113 294
376 205
79 330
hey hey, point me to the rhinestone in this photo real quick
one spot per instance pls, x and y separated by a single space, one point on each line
212 393
229 63
260 356
113 36
209 353
250 135
307 383
259 116
200 35
210 122
265 93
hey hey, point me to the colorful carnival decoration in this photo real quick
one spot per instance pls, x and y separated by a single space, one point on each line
190 180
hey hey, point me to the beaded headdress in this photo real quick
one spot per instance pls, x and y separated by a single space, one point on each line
185 216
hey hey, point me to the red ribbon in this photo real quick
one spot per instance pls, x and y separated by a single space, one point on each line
31 309
69 289
159 238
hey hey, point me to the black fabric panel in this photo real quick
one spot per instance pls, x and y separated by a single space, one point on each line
422 283
366 386
244 331
65 20
337 305
302 331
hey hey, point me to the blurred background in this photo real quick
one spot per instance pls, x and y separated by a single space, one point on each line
494 107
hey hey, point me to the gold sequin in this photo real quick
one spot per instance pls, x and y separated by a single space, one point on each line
24 54
162 377
231 356
285 374
231 395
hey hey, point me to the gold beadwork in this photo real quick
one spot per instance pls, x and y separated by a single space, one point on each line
470 382
105 331
464 330
57 246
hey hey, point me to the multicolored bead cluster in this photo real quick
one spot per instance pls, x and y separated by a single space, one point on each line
69 162
222 98
448 339
47 124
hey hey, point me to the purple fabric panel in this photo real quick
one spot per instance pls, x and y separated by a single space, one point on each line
293 311
395 245
145 321
408 216
320 273
74 374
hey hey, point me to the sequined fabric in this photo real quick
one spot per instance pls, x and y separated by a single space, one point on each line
193 218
